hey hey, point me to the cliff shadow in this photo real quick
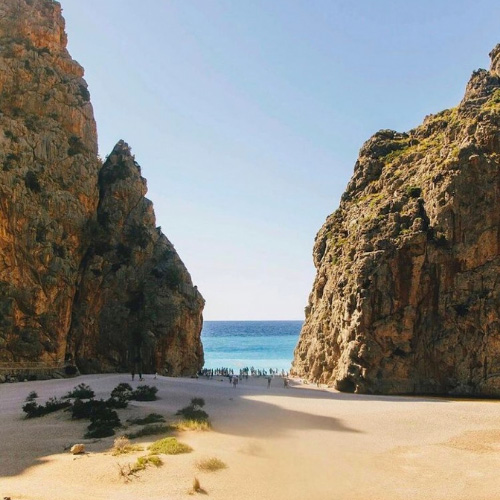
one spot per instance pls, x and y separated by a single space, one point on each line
248 410
269 414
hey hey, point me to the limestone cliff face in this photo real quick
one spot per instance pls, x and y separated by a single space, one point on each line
407 293
48 171
84 273
135 297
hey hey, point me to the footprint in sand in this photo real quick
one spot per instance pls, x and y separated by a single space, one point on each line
254 449
485 441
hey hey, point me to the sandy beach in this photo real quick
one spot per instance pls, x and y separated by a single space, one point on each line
296 443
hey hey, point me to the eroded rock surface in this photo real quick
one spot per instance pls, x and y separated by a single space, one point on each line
84 272
135 296
407 293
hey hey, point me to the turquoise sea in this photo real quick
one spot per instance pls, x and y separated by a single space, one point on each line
240 344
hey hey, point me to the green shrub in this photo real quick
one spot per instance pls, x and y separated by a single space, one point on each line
55 404
116 403
103 423
152 418
169 446
33 409
99 432
198 402
81 391
104 417
84 93
70 370
85 409
173 276
11 160
31 182
143 462
413 191
145 393
31 396
193 411
150 430
76 146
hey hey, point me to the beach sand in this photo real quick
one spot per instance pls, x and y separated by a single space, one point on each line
296 443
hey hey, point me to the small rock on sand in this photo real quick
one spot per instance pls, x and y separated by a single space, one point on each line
77 449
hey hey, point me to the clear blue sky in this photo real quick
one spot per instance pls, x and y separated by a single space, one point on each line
247 116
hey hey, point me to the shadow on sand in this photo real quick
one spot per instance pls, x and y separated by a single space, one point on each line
249 410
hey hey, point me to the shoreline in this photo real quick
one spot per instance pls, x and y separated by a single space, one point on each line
297 443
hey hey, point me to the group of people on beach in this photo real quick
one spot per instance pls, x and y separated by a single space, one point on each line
244 373
210 373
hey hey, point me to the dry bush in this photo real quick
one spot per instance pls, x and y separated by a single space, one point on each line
125 472
122 446
129 471
197 488
211 464
191 425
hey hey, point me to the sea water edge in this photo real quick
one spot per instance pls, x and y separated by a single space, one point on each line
259 344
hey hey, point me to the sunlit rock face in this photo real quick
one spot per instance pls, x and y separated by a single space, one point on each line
65 218
407 293
495 60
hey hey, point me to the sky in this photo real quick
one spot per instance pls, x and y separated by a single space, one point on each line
247 116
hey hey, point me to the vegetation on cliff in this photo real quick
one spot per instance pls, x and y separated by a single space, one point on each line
406 295
85 274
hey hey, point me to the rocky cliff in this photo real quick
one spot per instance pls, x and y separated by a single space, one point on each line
133 278
84 273
407 293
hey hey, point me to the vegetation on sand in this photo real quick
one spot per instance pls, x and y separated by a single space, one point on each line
31 396
197 487
81 391
145 393
211 464
150 430
33 409
193 411
122 446
169 446
152 418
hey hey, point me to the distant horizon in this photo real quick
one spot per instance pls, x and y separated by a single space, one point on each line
248 320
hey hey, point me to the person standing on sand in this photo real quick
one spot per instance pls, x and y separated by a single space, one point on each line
269 381
136 367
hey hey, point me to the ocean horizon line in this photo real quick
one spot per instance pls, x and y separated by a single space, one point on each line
249 320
